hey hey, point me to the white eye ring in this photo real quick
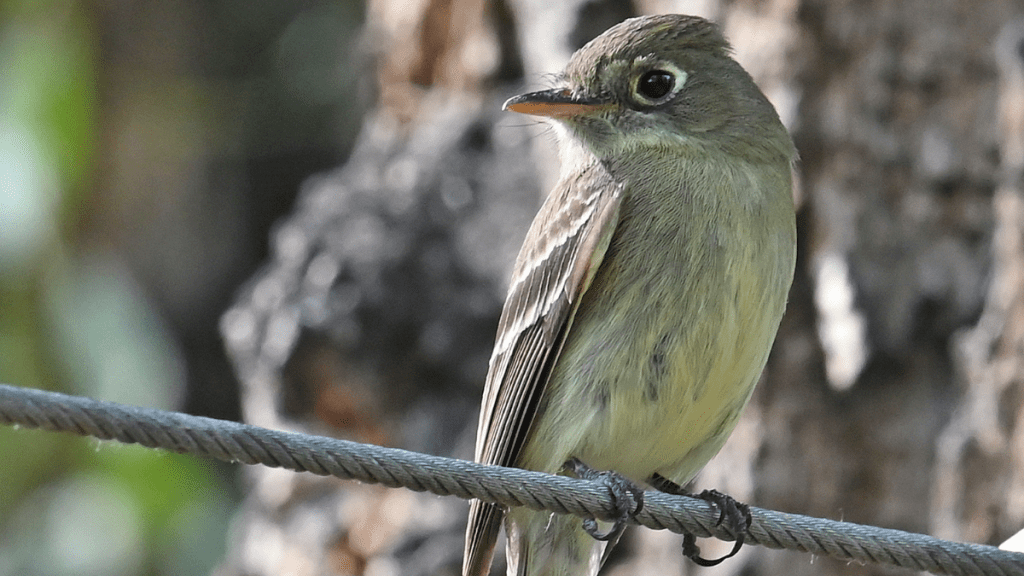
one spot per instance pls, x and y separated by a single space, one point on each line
658 83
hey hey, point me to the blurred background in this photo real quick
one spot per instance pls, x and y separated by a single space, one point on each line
304 214
146 148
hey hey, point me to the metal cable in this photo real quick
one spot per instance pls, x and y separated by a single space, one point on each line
234 442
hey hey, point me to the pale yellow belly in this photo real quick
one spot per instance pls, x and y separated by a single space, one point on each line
657 386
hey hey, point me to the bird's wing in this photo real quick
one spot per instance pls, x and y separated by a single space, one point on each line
572 232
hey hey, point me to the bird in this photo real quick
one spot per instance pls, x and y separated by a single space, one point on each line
647 294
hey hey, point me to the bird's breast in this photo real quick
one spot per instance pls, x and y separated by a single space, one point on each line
670 338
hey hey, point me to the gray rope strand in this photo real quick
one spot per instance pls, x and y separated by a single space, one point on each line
234 442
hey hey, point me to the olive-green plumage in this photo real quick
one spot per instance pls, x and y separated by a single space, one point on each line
650 286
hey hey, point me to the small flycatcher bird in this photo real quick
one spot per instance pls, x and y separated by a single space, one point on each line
646 297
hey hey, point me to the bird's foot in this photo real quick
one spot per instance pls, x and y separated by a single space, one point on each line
628 498
735 514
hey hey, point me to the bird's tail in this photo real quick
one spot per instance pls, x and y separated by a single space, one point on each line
546 544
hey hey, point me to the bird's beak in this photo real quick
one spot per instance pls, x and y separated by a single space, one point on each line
557 103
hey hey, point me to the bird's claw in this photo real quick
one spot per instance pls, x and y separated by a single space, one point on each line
735 514
627 496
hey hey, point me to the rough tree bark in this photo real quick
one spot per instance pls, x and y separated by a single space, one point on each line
894 394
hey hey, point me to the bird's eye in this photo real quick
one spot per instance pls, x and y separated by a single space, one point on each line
655 86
